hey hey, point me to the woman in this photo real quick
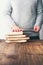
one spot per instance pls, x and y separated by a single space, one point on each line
21 15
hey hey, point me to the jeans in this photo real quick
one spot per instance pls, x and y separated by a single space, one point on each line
34 38
33 35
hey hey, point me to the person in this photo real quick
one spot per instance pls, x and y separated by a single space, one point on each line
20 15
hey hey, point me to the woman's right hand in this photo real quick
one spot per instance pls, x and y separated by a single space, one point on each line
16 29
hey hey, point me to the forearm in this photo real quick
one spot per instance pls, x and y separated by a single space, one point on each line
7 19
39 13
39 20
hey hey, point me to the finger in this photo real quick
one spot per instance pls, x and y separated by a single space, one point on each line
35 29
21 29
13 30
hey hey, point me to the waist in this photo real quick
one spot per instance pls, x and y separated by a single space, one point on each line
31 33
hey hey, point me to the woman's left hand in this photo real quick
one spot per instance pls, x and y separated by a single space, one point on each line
36 28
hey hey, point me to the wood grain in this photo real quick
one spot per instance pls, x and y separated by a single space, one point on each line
15 36
14 33
29 53
15 39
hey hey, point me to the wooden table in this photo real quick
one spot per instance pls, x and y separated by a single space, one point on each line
30 53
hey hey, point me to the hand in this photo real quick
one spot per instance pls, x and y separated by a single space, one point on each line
36 28
16 29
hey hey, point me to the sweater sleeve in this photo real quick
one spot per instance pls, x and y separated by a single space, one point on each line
6 21
5 12
39 13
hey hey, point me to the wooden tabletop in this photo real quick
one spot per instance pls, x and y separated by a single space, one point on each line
29 53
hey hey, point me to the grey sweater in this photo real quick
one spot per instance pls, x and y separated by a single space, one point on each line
23 13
